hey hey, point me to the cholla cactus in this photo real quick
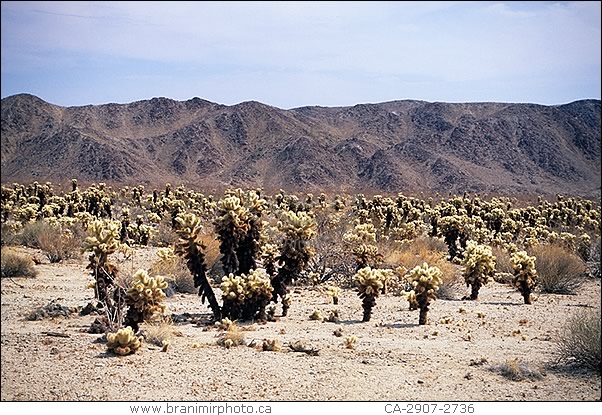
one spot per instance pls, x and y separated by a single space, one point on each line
426 281
361 240
453 230
123 342
239 228
246 296
479 267
231 227
103 242
525 274
269 253
191 248
144 298
333 292
370 284
298 228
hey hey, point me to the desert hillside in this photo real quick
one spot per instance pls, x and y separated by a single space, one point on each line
410 146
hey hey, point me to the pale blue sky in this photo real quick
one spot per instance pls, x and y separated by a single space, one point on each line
291 54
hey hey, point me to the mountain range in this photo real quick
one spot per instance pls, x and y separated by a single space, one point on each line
399 146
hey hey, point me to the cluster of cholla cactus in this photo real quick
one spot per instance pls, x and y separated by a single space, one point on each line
525 274
479 267
123 342
246 296
298 229
362 240
103 241
370 284
425 281
190 246
144 298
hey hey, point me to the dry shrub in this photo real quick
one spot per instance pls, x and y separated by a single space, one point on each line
433 251
9 235
560 270
176 273
58 244
579 344
593 265
517 370
16 265
163 235
503 266
30 234
212 255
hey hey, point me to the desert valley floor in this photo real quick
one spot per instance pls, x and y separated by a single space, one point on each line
454 357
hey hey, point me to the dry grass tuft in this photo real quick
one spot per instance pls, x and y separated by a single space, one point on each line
517 370
231 337
159 333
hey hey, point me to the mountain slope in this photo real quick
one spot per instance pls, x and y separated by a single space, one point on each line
407 146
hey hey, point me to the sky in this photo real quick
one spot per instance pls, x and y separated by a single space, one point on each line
293 54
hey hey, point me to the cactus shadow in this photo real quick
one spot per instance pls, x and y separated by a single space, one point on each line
105 355
349 322
505 303
192 318
400 325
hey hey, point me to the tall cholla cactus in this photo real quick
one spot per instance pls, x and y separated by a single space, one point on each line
249 248
370 284
525 274
298 228
191 248
103 241
479 267
246 296
144 298
231 225
425 281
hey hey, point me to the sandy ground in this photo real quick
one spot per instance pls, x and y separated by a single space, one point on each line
394 359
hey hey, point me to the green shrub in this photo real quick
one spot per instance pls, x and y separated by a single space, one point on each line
16 265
